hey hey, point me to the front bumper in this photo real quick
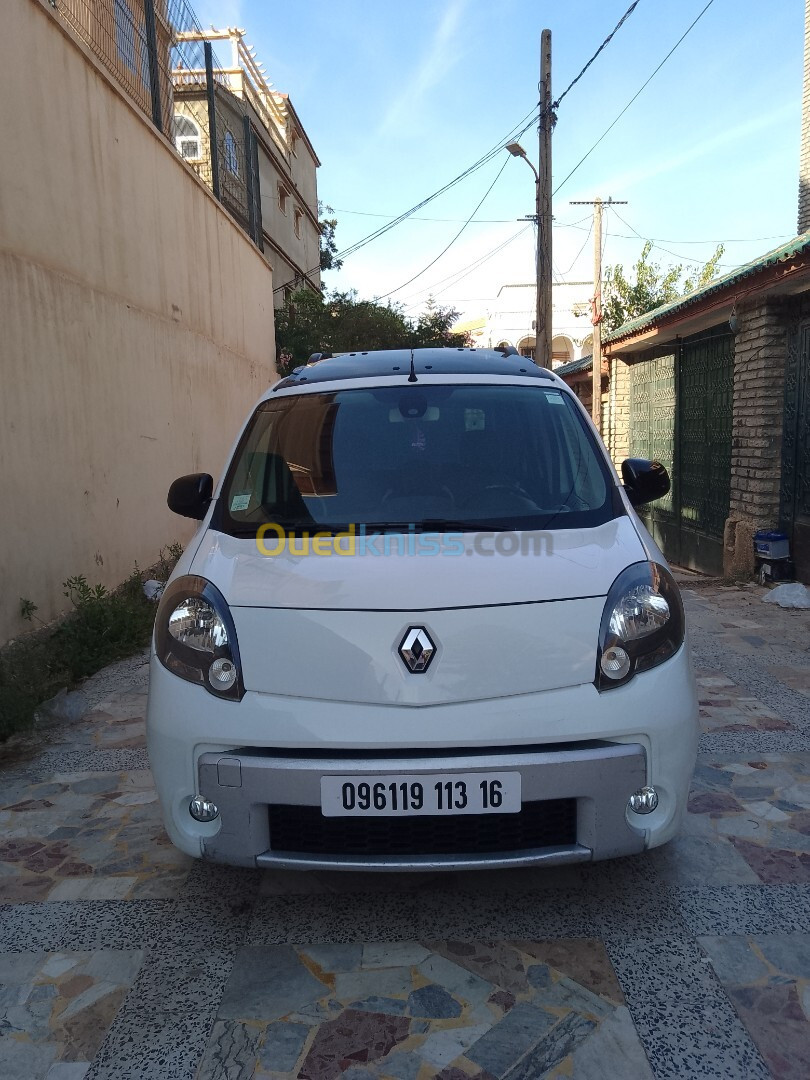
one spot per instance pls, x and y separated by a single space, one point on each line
585 789
571 743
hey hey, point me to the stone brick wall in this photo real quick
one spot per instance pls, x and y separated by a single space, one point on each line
616 412
756 448
804 154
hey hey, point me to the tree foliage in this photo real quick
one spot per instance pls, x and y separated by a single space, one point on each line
328 245
339 322
648 286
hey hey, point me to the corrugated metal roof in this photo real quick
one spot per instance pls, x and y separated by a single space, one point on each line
799 245
573 366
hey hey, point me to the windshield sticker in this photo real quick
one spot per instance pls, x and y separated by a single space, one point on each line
240 502
473 419
554 397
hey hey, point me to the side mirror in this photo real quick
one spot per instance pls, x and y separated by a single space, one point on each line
644 481
190 496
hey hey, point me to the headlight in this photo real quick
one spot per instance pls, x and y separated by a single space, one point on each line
642 624
195 637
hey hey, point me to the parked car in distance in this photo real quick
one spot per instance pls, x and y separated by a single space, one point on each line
421 626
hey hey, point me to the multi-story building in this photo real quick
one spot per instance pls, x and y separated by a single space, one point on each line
510 316
263 163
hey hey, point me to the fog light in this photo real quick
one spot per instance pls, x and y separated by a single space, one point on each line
644 801
615 662
203 810
222 673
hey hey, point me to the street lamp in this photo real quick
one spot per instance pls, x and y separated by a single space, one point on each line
516 150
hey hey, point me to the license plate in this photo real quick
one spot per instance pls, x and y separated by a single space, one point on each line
420 794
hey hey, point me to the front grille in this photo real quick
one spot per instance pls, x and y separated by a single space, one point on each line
304 830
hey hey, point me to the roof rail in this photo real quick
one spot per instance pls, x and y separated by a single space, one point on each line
507 350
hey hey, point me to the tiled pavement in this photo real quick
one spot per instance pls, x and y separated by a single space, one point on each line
121 958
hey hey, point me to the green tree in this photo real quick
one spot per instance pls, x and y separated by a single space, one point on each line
648 286
339 322
433 328
703 277
328 225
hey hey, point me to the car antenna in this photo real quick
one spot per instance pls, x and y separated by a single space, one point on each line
412 376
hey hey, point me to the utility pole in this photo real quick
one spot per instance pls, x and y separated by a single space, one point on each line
542 329
597 204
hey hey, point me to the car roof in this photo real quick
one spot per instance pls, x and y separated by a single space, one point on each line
396 363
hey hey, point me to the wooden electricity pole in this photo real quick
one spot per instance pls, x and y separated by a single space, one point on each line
543 315
597 204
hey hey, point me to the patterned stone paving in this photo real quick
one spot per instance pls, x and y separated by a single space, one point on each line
85 834
57 1007
768 979
121 958
423 1009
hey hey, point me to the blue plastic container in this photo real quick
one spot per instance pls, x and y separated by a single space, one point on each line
771 545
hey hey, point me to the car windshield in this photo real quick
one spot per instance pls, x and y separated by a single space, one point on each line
429 457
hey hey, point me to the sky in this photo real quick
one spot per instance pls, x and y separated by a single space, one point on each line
398 98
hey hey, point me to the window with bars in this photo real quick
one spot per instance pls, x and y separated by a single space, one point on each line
187 138
231 155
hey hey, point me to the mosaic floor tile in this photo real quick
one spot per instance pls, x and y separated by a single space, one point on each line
767 978
748 821
558 972
56 1008
515 1009
727 707
117 722
86 836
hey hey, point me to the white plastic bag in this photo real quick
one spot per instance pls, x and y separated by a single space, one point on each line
791 595
153 590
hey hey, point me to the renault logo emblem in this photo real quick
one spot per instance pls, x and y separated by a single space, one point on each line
416 649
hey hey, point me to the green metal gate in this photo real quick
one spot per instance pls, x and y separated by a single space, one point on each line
680 414
795 487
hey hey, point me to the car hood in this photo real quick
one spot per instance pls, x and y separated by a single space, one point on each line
556 565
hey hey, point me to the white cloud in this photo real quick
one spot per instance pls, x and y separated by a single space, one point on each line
441 55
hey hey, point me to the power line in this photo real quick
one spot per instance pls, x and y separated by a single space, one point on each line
556 104
633 98
478 221
674 254
402 217
458 276
576 258
457 221
663 240
515 133
458 234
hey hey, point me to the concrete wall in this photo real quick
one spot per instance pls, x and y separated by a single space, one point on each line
137 324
